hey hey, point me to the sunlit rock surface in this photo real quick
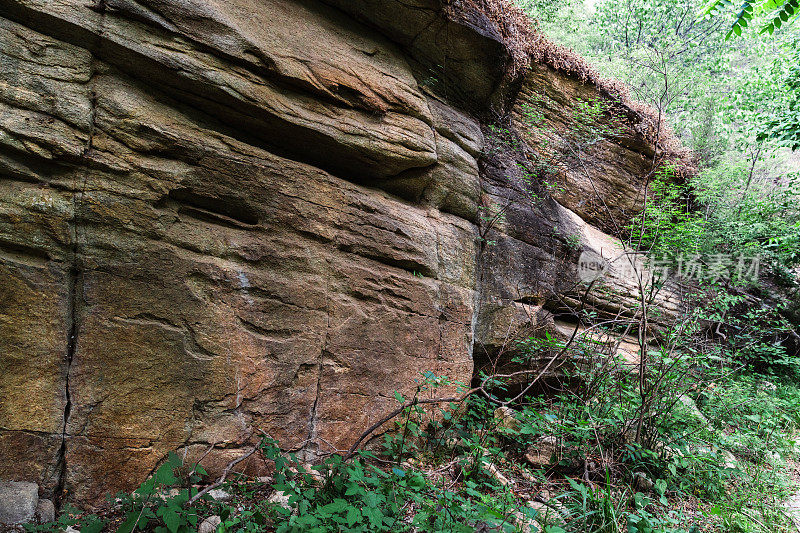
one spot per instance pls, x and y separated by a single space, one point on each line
219 218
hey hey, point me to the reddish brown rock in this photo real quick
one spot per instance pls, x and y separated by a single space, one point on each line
222 218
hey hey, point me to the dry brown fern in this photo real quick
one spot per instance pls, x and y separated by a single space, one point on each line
527 44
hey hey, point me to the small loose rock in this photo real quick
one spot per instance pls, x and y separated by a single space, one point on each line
45 511
506 418
220 495
542 452
642 483
280 498
209 525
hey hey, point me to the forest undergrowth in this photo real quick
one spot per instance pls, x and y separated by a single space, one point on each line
716 455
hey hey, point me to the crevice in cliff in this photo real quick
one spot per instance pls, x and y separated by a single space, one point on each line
24 167
223 210
21 253
487 226
75 286
310 446
479 269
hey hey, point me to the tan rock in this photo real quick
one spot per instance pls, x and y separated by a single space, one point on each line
45 511
506 418
542 452
606 189
293 73
225 217
209 525
18 501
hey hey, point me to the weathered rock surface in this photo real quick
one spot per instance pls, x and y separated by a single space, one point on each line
542 451
209 525
18 502
45 511
219 217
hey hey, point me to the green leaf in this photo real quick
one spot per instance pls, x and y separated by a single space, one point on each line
335 507
164 475
171 518
374 515
353 489
353 516
174 460
129 523
93 525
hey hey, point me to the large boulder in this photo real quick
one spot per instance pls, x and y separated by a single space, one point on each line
225 217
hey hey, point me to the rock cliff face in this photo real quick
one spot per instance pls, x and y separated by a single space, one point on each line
220 217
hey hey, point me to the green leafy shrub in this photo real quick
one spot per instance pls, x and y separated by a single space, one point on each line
156 507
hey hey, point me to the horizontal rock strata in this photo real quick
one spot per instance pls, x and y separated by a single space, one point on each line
225 217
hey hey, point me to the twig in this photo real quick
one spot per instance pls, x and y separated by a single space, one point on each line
416 401
224 475
197 463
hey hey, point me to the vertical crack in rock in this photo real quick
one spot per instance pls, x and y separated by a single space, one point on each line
75 288
476 302
478 291
310 446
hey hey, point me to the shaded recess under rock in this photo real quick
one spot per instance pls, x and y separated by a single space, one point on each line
225 217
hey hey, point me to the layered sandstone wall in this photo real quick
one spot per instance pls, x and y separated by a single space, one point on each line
225 217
